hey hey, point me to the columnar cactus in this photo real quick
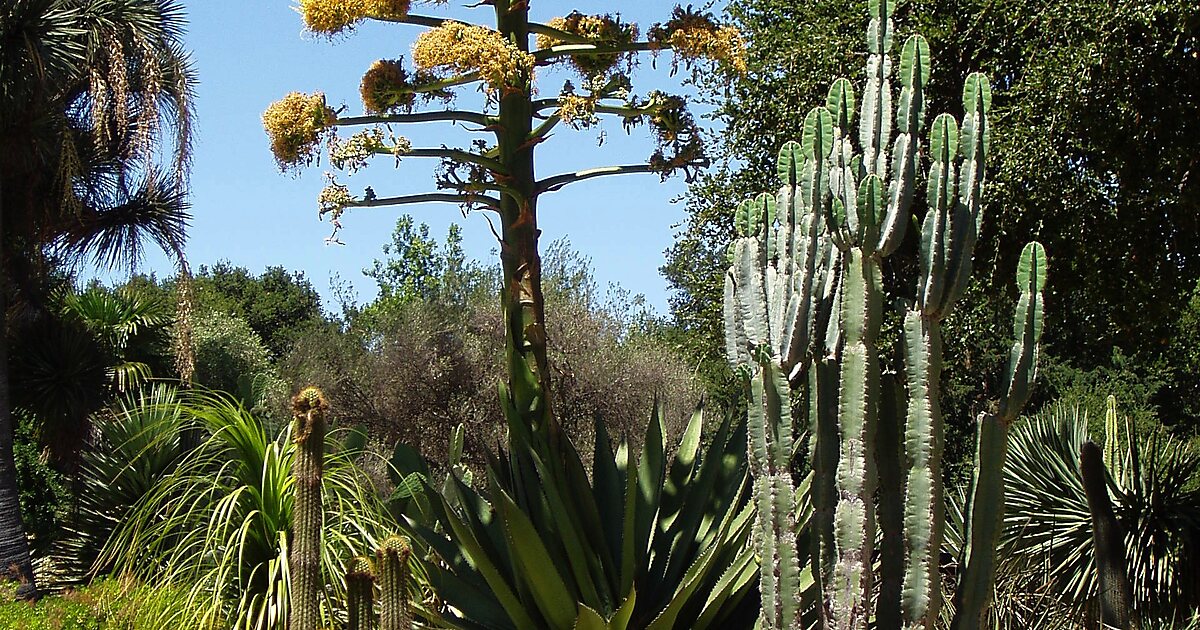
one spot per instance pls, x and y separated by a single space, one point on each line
1116 593
308 433
360 594
392 564
803 304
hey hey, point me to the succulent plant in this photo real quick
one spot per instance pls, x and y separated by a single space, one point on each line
804 298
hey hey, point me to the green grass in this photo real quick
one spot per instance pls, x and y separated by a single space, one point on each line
105 605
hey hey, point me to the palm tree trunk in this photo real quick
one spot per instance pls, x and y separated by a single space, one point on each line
15 563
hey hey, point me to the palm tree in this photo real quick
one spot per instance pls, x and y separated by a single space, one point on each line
89 90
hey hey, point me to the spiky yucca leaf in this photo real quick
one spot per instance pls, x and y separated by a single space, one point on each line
1047 534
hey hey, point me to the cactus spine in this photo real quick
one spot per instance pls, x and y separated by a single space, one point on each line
308 434
803 304
392 563
360 594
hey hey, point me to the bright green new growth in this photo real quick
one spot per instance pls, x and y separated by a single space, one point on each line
803 304
308 433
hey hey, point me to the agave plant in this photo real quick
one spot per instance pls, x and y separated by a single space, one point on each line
642 545
1047 539
219 523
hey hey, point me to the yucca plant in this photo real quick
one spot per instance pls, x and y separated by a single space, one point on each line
1047 545
642 545
219 524
136 444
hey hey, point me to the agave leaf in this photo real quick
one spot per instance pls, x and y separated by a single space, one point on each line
551 593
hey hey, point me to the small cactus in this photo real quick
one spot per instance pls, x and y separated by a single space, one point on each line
360 594
308 434
391 560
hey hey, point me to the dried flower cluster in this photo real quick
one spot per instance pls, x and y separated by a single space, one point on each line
694 35
295 124
387 87
331 17
462 48
603 29
676 134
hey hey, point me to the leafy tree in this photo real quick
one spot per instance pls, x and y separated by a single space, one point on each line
87 91
418 269
276 304
1095 116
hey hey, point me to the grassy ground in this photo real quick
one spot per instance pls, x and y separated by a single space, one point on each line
106 605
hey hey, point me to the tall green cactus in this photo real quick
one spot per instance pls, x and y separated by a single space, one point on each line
803 304
984 513
308 433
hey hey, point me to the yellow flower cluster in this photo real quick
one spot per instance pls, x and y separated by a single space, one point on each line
722 44
333 200
694 35
380 87
351 154
295 125
601 28
577 111
462 48
331 17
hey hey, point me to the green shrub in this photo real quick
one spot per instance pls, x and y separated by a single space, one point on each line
45 498
232 358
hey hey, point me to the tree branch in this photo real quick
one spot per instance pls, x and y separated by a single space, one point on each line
449 115
563 36
551 184
545 127
419 20
554 53
483 200
453 154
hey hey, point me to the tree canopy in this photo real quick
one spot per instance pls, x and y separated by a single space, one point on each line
1096 126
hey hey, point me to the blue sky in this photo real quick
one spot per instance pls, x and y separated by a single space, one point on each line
250 53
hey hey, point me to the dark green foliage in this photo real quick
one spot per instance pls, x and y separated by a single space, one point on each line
45 494
1062 74
279 306
70 360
